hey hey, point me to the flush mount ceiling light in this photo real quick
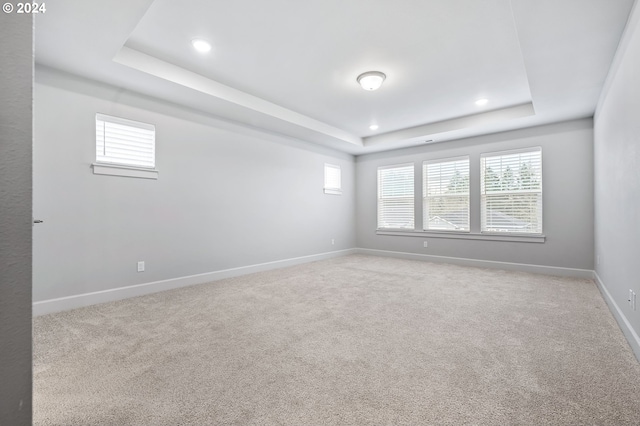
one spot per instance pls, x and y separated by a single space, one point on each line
371 80
374 127
202 46
481 102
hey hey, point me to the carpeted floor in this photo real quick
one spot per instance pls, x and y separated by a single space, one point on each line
355 340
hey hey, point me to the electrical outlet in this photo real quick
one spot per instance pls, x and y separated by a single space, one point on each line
630 299
633 301
426 244
141 266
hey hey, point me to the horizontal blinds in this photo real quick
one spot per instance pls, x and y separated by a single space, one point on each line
446 195
124 142
511 192
395 197
332 179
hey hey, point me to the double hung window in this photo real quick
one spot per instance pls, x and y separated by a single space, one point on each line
511 191
445 194
396 197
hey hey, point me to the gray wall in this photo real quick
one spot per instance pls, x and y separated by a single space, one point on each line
617 174
227 196
16 73
567 155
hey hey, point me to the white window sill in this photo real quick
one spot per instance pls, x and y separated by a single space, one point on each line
125 171
519 238
333 191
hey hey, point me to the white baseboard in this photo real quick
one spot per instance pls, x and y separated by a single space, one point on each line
621 319
77 301
537 269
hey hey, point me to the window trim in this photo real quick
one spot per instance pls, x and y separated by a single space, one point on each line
486 236
425 164
534 148
124 171
120 169
334 190
395 166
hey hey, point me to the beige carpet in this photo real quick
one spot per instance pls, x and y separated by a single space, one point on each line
355 340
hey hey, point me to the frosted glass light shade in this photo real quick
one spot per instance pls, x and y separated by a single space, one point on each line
371 80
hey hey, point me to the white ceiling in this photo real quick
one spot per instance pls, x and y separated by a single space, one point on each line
290 66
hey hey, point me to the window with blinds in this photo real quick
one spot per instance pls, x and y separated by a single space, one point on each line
395 197
445 192
332 179
125 142
511 191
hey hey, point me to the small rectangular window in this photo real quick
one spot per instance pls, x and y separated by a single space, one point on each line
125 142
395 197
445 192
511 191
332 179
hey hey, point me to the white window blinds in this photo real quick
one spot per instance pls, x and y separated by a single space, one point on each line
445 192
125 142
395 197
511 191
332 179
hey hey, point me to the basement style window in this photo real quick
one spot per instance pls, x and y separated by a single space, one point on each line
395 197
332 179
511 191
445 192
125 147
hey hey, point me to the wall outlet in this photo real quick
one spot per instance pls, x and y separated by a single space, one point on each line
425 244
633 301
141 266
630 298
333 241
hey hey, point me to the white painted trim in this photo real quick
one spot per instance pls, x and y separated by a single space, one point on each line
621 319
461 235
426 131
630 334
523 267
151 65
77 301
72 302
125 171
333 191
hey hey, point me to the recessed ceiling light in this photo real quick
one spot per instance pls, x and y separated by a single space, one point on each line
201 45
481 102
374 127
371 80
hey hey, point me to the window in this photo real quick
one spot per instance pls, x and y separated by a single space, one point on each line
511 191
395 197
445 191
125 142
332 179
